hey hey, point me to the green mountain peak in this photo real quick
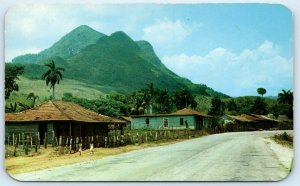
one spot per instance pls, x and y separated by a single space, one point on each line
114 63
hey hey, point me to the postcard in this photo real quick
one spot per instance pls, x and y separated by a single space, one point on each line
149 92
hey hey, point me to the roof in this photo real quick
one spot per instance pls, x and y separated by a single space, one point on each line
60 111
241 118
187 111
284 118
251 118
182 112
127 118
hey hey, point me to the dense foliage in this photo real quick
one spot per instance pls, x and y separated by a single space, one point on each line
284 104
217 107
12 72
184 99
144 101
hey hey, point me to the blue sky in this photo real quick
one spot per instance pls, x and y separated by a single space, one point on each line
232 48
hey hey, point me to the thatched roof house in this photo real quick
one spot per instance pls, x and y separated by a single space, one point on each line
253 121
60 118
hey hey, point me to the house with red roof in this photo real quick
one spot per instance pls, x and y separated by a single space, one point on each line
184 118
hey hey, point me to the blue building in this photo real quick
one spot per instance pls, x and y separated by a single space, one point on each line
185 118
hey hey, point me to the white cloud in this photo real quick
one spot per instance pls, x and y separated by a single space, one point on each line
236 74
165 31
39 26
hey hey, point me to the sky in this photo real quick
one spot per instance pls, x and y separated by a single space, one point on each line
232 48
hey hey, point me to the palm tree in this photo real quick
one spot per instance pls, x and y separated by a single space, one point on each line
261 91
33 97
52 76
285 97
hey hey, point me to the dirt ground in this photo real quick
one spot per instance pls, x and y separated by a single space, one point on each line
46 158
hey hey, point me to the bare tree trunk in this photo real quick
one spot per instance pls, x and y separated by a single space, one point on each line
53 92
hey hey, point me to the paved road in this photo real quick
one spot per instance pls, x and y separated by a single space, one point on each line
229 156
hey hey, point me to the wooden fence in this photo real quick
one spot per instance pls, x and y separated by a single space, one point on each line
68 144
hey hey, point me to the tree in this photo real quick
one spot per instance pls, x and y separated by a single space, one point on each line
217 107
244 105
162 101
12 108
231 105
33 97
285 103
184 99
261 91
285 97
12 73
259 107
52 76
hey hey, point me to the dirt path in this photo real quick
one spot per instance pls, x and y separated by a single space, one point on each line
242 156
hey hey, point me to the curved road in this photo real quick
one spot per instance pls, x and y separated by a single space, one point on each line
241 156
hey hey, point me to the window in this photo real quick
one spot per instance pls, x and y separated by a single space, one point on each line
147 121
181 121
166 122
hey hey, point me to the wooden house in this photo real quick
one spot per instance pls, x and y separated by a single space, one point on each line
185 118
60 118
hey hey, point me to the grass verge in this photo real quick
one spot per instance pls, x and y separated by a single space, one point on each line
283 139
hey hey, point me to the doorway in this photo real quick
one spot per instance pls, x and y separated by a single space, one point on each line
42 130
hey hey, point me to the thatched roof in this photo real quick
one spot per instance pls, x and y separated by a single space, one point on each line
182 112
251 118
241 118
59 111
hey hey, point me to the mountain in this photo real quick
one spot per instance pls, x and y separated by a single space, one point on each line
114 62
66 47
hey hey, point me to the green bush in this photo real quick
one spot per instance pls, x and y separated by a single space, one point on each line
284 137
285 126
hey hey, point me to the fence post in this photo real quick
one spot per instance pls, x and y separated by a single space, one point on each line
13 139
45 140
114 141
23 144
56 142
66 145
53 138
19 139
105 142
15 150
129 138
30 141
146 138
77 144
60 144
70 147
155 136
8 140
26 146
137 139
38 140
122 140
97 141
